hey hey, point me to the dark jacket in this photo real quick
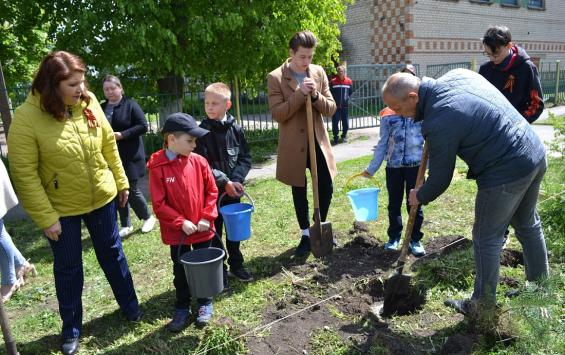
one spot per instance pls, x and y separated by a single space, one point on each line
464 115
518 79
128 118
341 90
226 150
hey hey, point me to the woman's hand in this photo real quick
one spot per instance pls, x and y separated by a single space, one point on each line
413 199
203 225
118 136
365 174
54 231
188 227
123 197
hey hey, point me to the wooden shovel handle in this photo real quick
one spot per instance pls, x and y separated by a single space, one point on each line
413 209
313 162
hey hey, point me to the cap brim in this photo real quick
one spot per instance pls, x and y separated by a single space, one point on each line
198 132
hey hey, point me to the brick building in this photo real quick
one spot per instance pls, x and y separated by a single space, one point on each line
446 31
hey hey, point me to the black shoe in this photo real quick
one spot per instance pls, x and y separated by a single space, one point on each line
135 318
303 248
344 140
242 275
69 346
179 321
465 307
335 141
513 293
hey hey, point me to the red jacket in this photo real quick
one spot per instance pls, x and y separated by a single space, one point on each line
182 188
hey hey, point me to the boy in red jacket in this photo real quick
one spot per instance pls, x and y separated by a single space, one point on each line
184 195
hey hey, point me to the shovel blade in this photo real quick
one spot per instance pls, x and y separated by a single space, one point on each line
321 239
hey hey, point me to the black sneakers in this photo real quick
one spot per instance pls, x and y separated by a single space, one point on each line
303 248
241 274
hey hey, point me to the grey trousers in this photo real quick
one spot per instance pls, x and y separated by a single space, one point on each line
515 204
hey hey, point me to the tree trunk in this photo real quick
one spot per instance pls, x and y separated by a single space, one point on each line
4 104
171 93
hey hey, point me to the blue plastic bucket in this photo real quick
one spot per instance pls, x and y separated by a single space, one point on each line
365 203
237 218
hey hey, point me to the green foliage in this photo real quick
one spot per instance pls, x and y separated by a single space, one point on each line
558 144
551 209
221 341
198 38
23 39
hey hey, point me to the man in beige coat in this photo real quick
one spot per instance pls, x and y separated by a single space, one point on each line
289 85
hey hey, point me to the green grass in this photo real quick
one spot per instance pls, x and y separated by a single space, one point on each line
536 316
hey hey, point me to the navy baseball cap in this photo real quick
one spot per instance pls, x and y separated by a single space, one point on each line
182 122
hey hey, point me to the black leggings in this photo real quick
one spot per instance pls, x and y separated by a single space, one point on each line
325 191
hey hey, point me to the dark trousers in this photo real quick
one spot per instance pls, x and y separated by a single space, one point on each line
234 255
68 269
399 180
340 114
137 202
325 191
179 280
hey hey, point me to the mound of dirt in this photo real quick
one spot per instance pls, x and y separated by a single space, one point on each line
509 281
354 275
511 258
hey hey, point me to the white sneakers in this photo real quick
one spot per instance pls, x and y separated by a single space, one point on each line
148 224
147 227
125 231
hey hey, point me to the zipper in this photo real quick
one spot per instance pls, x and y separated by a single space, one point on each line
89 172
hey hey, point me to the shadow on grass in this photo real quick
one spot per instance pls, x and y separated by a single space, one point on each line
455 339
102 333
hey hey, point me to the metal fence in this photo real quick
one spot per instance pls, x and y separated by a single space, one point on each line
254 115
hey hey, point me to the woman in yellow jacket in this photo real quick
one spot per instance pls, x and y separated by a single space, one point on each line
66 169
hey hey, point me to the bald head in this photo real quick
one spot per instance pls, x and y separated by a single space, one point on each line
400 93
399 85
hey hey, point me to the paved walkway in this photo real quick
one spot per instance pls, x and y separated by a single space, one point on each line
361 143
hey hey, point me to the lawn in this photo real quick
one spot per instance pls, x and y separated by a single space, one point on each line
274 313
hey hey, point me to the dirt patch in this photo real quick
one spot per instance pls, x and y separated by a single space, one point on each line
459 344
509 281
511 258
352 279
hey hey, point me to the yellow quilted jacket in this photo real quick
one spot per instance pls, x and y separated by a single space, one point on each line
63 168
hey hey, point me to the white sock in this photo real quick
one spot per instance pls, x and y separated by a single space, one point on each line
306 232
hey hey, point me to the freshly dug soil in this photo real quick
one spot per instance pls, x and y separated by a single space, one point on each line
356 273
511 258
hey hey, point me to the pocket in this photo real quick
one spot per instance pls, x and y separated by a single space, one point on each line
232 156
52 184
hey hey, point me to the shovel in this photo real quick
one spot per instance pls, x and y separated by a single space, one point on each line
321 235
398 284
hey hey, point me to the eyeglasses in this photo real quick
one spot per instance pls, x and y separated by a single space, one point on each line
492 55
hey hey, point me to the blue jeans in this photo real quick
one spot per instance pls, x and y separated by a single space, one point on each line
515 204
68 268
341 114
10 257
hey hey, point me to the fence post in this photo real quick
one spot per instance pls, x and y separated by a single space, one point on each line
474 64
556 99
4 103
236 97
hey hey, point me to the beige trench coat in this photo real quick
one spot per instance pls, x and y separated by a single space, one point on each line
288 108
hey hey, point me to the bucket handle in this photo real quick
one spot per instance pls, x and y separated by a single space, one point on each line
184 236
374 179
243 194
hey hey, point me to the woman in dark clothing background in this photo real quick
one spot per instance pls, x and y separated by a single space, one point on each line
129 124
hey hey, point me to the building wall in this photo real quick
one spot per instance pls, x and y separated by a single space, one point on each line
448 31
357 33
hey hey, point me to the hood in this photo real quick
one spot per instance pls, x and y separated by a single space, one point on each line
217 125
517 57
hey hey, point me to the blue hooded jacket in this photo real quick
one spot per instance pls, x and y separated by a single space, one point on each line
464 115
400 142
